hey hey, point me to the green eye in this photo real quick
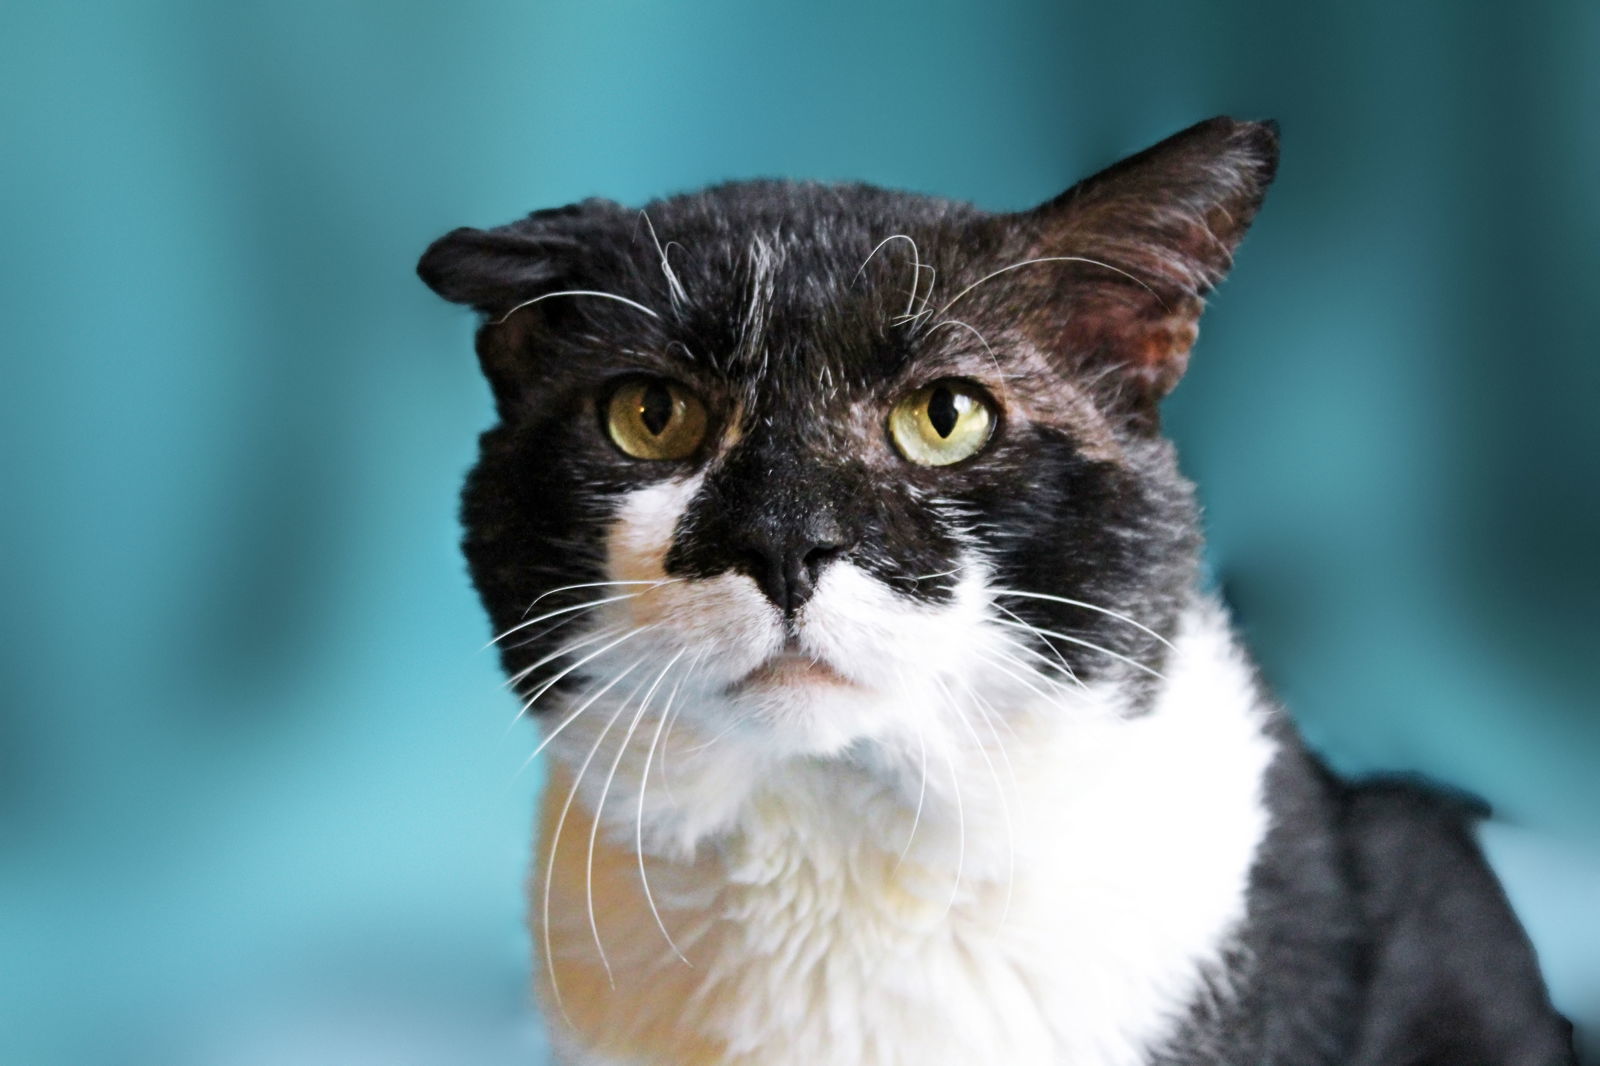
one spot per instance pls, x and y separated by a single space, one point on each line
942 423
655 419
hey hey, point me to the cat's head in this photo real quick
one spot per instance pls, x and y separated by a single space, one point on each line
828 457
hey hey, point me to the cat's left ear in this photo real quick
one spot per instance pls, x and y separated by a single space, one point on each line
1144 241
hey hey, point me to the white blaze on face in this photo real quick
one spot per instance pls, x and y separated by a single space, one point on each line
724 622
884 660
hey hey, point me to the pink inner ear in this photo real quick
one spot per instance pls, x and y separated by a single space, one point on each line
1164 354
1151 341
1167 220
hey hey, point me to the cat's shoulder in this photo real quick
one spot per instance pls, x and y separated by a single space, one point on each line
1452 977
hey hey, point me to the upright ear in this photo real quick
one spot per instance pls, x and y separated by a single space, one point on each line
1144 241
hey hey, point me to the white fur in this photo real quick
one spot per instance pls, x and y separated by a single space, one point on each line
955 859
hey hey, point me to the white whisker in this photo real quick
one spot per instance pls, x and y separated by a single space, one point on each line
1091 645
1019 678
986 708
599 812
1135 623
588 701
565 649
654 582
542 635
933 280
638 822
561 611
548 685
574 292
916 268
555 843
941 573
672 720
1059 658
1005 804
1051 661
666 746
675 291
1047 259
922 794
1001 374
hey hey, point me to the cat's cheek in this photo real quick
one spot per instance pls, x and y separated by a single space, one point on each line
723 623
886 641
646 521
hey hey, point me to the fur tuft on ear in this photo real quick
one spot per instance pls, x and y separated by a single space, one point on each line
1144 241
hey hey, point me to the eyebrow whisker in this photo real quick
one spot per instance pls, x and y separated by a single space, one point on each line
1049 259
575 292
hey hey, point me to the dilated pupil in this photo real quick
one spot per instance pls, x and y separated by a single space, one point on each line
942 411
655 409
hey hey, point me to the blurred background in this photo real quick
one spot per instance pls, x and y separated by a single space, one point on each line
259 803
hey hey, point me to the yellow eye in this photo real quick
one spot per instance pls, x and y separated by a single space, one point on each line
942 423
655 419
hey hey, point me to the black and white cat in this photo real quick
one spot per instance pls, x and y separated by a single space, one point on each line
830 534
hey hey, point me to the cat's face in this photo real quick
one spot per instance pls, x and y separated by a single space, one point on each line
816 461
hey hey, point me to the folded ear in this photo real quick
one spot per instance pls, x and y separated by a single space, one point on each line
1143 242
493 270
511 269
490 269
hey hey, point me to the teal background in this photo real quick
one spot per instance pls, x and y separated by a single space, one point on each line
259 803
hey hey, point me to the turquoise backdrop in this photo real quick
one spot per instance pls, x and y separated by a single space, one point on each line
259 803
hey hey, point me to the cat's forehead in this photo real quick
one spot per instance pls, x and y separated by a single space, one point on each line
785 284
810 215
794 299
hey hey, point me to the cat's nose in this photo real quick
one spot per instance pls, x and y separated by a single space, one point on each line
786 563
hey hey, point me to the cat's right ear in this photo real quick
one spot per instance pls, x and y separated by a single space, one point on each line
497 271
494 270
490 270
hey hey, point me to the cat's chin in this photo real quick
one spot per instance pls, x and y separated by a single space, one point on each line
788 672
806 706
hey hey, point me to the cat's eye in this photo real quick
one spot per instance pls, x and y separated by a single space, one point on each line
650 418
942 423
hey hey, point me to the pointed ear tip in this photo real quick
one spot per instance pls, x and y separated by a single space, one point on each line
1260 141
1264 135
1229 127
1262 132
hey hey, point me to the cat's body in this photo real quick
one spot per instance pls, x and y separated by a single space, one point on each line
832 537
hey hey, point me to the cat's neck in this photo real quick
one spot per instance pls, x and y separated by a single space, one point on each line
1069 848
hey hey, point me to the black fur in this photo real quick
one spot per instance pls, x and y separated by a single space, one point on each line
1376 934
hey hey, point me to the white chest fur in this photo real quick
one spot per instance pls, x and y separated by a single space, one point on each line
1066 883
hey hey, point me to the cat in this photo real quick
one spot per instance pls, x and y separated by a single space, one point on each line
830 534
